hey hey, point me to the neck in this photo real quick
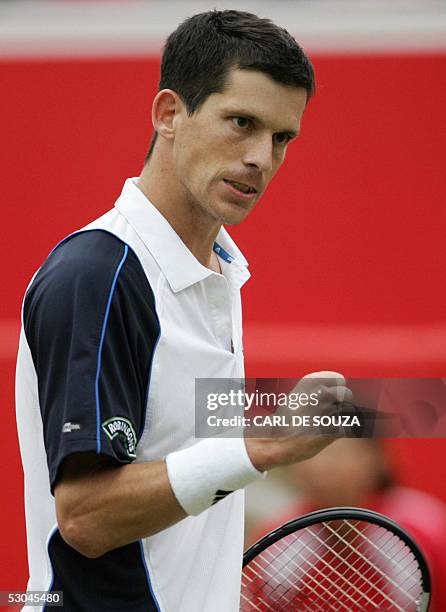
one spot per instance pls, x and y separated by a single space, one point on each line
196 229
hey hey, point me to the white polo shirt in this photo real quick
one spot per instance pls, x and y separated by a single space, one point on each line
117 324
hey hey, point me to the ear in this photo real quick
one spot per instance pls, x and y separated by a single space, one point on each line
166 108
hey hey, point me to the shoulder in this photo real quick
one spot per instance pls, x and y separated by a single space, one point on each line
88 259
87 251
84 270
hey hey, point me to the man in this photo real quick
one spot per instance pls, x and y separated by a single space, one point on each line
122 318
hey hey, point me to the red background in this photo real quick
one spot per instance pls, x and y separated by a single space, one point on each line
348 241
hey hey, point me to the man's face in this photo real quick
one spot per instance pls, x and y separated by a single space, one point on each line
235 143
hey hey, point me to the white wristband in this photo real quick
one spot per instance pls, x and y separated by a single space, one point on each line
204 473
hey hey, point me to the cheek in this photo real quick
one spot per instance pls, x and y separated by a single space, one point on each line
187 154
194 170
276 165
279 158
201 155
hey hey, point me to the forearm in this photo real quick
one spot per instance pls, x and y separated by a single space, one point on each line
115 506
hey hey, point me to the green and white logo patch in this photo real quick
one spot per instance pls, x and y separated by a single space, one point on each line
120 426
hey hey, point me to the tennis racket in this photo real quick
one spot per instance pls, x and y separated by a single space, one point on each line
336 559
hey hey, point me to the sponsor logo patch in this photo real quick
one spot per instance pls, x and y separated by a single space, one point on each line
120 426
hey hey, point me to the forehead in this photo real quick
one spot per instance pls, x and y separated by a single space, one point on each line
258 94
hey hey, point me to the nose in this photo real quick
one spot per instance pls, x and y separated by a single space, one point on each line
260 154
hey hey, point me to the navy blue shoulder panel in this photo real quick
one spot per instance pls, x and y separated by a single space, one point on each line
90 321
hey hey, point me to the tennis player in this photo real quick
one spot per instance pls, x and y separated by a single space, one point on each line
125 510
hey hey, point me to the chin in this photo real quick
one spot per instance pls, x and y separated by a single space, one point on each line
232 222
233 214
233 219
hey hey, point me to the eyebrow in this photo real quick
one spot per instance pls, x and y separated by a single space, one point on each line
240 113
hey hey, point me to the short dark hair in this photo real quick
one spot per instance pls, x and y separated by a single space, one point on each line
198 55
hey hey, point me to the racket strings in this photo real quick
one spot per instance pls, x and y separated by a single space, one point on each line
380 544
272 580
317 580
397 542
337 565
313 589
381 574
407 554
313 605
364 593
327 577
352 585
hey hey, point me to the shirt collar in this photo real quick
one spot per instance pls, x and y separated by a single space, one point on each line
180 267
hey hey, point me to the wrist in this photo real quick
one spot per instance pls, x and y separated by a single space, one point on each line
204 473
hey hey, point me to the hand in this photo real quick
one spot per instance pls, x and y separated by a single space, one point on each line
297 443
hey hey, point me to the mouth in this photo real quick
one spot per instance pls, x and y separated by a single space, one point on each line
242 189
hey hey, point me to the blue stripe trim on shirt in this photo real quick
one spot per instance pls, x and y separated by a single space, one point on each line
148 576
101 343
222 253
149 378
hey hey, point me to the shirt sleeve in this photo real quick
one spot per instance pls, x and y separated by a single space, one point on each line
90 321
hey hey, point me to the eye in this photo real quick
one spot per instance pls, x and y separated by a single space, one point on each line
282 138
241 122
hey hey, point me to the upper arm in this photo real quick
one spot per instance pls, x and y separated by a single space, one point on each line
78 467
91 325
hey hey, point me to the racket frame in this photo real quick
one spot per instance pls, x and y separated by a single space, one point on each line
347 513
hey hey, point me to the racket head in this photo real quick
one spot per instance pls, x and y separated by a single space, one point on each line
336 559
